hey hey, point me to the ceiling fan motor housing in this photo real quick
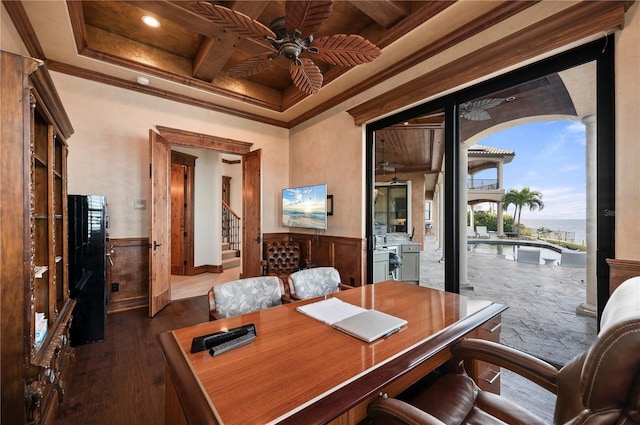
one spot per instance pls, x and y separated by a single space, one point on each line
289 46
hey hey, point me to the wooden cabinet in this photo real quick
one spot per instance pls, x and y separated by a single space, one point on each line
486 375
380 266
410 270
36 309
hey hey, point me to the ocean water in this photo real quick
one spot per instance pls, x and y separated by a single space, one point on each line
578 226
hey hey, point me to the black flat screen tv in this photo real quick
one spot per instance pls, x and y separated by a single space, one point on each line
305 207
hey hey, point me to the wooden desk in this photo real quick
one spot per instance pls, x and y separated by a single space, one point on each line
301 371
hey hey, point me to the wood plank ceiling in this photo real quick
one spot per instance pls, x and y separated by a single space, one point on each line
190 49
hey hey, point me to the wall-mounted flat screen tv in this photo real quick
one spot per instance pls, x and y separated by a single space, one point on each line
305 206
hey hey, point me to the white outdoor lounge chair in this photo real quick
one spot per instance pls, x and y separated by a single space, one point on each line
482 233
471 233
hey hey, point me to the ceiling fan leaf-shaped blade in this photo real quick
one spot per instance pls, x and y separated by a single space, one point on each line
231 20
306 16
345 50
252 66
307 77
487 103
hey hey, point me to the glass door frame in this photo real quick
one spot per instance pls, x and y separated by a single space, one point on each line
602 52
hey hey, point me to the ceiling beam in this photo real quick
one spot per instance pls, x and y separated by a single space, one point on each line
384 12
215 52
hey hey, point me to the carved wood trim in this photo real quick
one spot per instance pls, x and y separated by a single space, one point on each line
576 23
152 91
53 341
621 270
189 138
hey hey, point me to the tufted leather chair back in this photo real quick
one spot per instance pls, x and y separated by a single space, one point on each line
281 258
602 386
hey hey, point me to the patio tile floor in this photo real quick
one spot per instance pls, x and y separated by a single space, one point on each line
541 318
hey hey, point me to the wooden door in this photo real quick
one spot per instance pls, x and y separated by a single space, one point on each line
178 206
159 224
226 189
251 214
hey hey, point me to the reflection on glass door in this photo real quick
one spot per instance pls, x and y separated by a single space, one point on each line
408 200
529 191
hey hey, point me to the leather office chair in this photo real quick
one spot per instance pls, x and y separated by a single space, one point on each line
281 258
245 295
600 386
315 282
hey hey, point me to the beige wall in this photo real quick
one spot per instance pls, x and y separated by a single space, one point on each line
628 137
330 150
109 151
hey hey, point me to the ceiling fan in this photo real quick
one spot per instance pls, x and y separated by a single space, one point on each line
476 110
291 37
396 179
385 165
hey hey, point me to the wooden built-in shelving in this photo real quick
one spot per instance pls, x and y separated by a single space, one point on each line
33 256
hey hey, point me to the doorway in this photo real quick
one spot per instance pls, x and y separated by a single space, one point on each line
182 200
159 214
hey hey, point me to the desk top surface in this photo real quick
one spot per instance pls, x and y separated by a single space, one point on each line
299 366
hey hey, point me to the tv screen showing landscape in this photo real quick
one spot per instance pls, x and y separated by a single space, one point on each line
305 207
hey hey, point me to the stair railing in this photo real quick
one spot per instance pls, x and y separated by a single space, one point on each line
230 226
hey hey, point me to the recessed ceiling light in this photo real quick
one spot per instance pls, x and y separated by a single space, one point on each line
151 21
142 81
510 99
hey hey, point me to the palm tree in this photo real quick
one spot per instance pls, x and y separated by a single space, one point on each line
521 198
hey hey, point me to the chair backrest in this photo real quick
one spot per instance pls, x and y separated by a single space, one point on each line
281 257
247 295
602 385
314 282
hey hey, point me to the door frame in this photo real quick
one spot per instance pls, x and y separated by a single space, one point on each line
185 138
602 52
189 163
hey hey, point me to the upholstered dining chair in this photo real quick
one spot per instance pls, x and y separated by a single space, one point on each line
600 386
245 295
315 282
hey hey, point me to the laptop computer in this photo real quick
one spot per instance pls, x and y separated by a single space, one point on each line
370 325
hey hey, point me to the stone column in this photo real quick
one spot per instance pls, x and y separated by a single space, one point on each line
463 165
500 225
440 229
589 307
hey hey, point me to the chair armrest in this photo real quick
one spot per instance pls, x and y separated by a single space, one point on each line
344 286
526 365
295 297
394 411
213 314
286 299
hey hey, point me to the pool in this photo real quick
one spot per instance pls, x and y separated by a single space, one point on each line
509 251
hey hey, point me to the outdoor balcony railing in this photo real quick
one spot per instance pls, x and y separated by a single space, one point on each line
482 184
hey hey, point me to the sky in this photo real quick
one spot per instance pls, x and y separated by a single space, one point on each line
550 158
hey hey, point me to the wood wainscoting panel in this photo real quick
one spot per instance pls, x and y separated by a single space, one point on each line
347 255
621 270
130 270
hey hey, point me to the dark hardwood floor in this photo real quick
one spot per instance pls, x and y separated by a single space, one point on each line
121 381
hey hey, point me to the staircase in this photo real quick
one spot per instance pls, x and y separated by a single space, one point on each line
231 234
230 257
